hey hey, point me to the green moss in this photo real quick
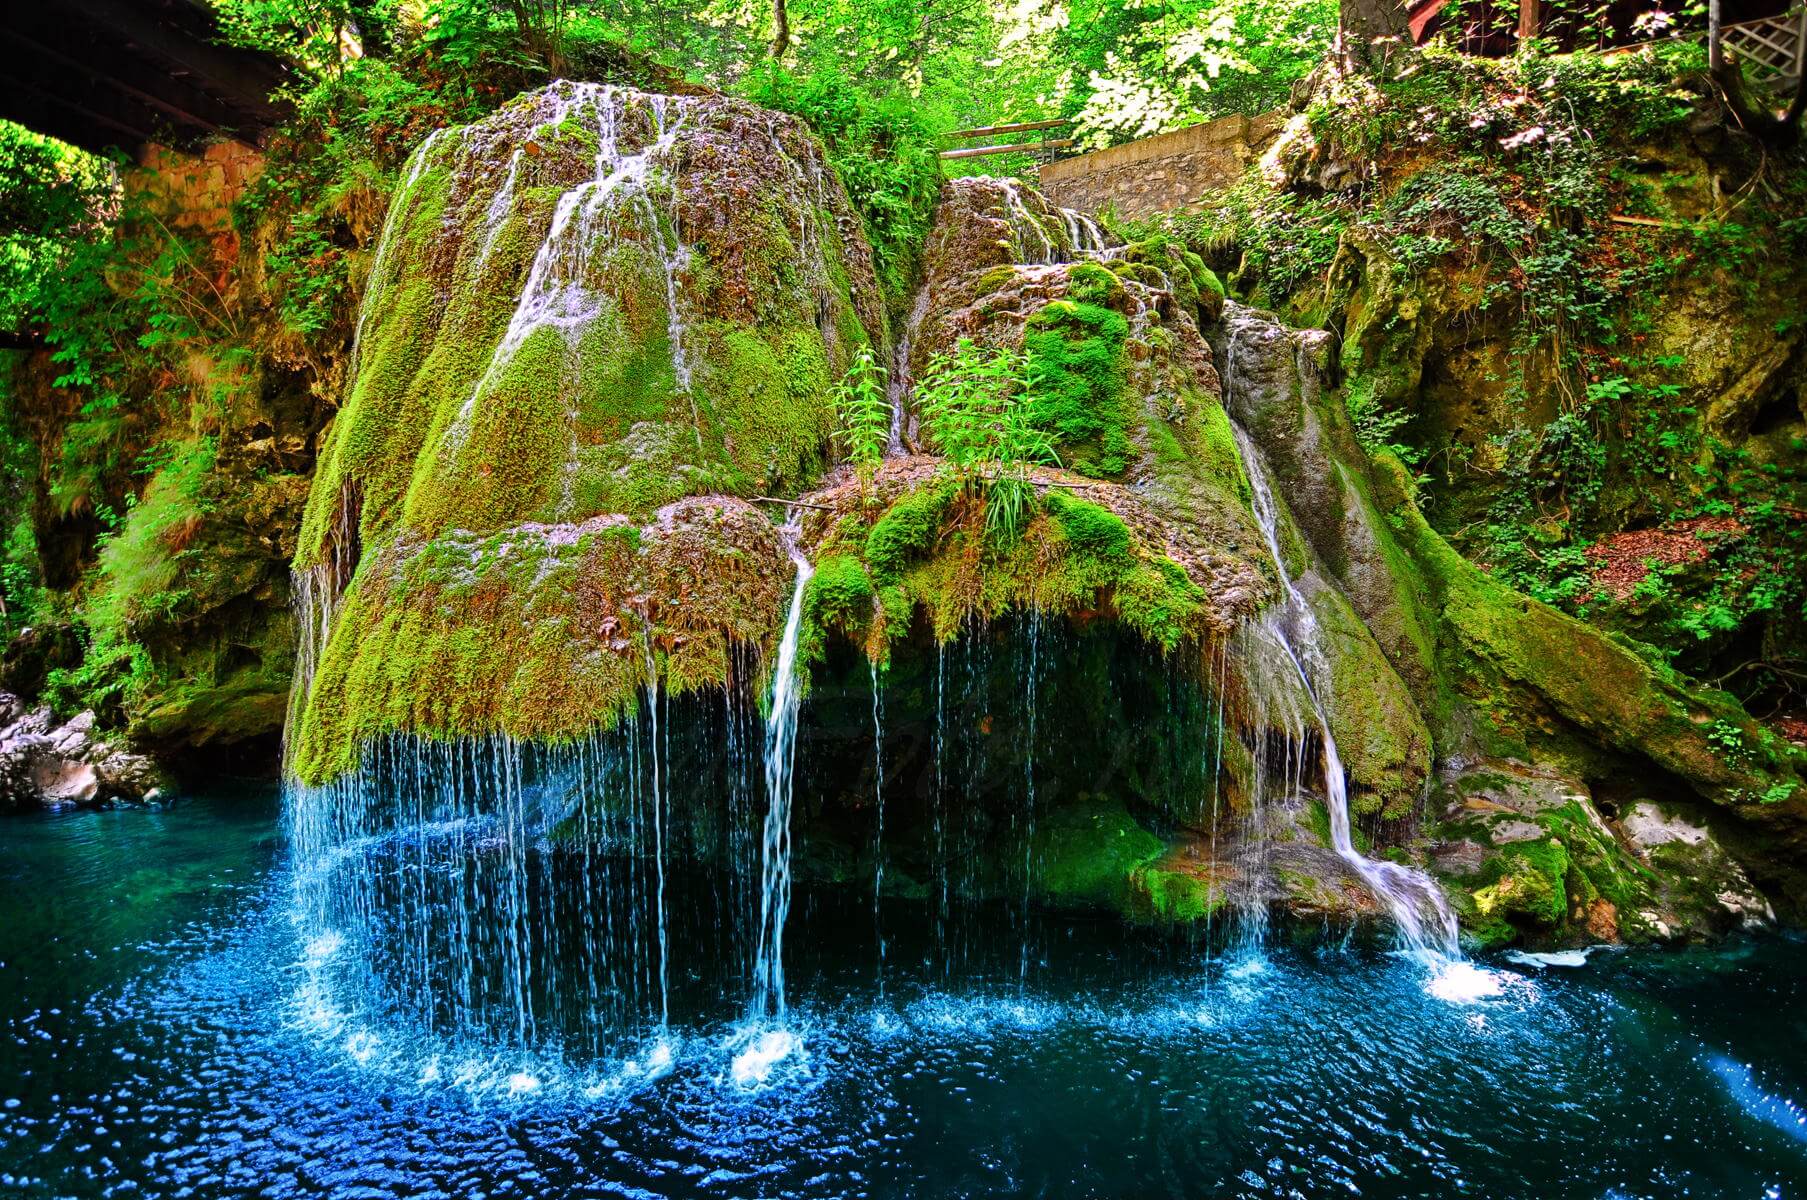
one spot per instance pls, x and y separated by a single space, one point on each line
535 634
1077 353
840 593
452 456
907 531
1176 897
1091 283
769 394
1090 528
1088 853
1159 601
1528 894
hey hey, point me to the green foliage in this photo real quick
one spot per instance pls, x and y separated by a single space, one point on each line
21 578
1288 240
1378 427
981 409
884 155
864 410
138 584
125 300
53 199
319 200
1144 69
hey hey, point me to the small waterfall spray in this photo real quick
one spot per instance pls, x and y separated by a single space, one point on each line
1407 895
1028 831
658 801
878 838
898 386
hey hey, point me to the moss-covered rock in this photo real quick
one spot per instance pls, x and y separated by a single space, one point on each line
597 300
918 536
587 306
1087 854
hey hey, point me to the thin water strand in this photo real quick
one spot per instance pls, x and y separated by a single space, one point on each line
780 757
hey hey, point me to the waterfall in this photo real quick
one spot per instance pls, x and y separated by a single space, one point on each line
1021 220
1029 684
1083 233
898 386
780 755
652 707
555 294
878 837
1291 625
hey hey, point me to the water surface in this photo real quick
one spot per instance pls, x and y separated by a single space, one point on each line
164 1036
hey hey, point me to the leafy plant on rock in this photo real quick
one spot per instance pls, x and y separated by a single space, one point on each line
976 409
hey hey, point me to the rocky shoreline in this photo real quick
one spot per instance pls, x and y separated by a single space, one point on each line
48 763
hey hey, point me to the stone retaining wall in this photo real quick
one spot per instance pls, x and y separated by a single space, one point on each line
198 188
1161 173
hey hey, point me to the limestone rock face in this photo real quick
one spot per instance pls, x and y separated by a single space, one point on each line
1272 389
1702 887
47 764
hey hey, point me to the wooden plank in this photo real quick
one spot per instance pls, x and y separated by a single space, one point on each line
1020 127
981 151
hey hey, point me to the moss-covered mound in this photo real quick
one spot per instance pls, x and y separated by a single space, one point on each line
585 307
1125 384
910 541
596 300
539 632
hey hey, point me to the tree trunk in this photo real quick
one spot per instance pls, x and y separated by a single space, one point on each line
1370 31
372 26
1530 19
1715 41
781 29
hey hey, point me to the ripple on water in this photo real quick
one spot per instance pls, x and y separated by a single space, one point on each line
193 1043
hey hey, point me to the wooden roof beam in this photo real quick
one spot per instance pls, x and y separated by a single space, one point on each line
107 67
246 78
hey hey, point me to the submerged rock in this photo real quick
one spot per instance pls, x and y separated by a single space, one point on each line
45 763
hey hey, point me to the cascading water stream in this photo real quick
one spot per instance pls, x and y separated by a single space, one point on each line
898 386
658 799
780 758
1406 893
878 839
555 294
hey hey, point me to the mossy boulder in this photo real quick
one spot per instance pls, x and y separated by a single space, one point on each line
586 307
539 632
916 537
1088 852
596 300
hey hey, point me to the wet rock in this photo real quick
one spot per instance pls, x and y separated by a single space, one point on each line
1533 856
47 764
1704 887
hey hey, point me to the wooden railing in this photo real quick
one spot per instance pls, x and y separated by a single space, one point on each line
1775 49
1044 147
